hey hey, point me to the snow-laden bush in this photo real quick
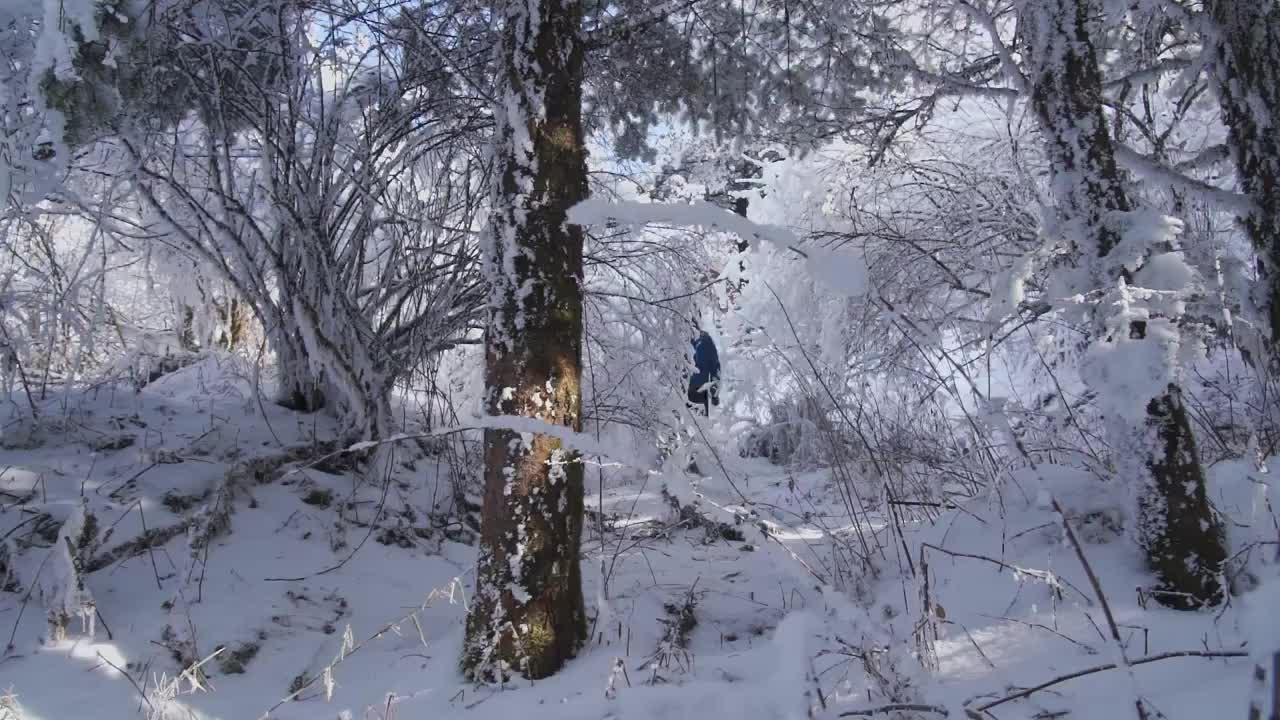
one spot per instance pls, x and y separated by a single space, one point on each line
9 707
791 434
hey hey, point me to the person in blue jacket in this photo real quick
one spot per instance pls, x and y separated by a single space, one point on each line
704 384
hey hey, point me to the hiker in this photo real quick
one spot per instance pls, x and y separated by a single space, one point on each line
704 384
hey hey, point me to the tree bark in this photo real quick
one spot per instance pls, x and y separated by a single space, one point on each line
300 388
528 614
1176 525
1244 41
187 328
1182 536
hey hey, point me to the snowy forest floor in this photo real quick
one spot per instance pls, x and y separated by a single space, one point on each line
304 581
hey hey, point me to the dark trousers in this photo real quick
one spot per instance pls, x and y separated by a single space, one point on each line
703 399
698 400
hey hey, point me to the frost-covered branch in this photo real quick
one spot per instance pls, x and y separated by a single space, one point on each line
1153 170
843 272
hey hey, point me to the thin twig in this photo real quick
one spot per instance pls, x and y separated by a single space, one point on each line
1087 648
348 651
141 693
1047 577
151 551
1102 600
25 599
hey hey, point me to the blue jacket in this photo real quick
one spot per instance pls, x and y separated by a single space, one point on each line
706 359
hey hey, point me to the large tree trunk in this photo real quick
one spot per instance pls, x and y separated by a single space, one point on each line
1244 40
528 614
1176 524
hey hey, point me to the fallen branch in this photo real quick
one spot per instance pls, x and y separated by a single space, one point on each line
213 520
143 543
13 530
924 503
1103 668
690 517
896 707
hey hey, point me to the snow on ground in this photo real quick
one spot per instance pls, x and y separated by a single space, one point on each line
303 580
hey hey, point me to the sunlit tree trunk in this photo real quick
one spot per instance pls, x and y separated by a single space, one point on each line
528 614
1158 458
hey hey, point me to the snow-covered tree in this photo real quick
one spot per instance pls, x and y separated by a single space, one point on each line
1243 41
338 201
1112 240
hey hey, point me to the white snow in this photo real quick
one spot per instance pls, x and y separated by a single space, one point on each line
384 628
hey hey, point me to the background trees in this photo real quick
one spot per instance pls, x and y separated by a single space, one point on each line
1239 39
